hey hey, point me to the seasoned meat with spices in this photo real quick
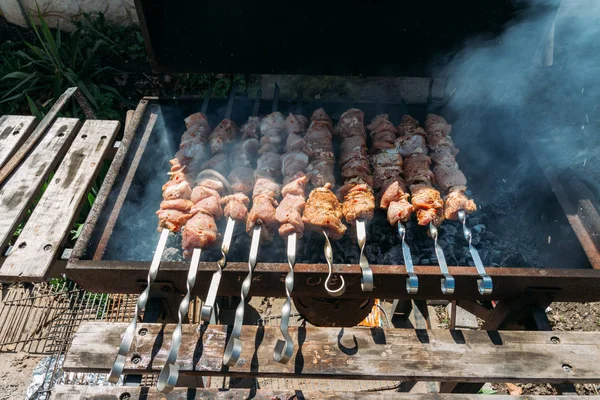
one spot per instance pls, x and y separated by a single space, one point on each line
172 219
236 206
222 136
200 232
358 201
241 180
324 212
457 200
427 203
448 177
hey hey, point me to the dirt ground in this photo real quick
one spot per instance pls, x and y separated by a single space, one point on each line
15 374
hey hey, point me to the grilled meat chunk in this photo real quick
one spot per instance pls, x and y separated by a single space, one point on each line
293 162
295 124
457 200
416 169
222 136
358 201
250 130
436 123
408 145
236 206
173 190
324 212
200 232
289 211
241 180
172 219
219 162
448 177
428 204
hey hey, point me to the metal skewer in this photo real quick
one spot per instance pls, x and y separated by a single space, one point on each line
119 364
447 282
412 282
233 350
329 258
484 284
209 304
285 348
170 372
366 280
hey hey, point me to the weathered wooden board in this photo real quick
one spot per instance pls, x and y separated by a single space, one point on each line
66 392
48 119
41 239
352 353
16 194
14 129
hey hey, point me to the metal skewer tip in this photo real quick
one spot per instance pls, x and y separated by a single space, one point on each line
412 282
170 372
209 304
366 282
447 282
285 348
119 364
233 350
329 258
484 284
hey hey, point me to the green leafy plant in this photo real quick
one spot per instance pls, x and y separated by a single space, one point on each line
54 61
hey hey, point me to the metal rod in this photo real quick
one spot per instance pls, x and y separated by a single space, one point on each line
230 101
257 103
233 350
206 99
412 282
209 304
366 280
447 282
170 372
484 284
329 258
285 348
276 98
119 364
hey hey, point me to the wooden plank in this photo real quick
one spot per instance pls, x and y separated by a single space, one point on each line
49 224
14 129
17 193
48 119
68 392
351 353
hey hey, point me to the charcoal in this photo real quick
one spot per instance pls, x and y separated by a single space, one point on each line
479 228
393 256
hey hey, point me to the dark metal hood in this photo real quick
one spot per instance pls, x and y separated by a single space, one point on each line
359 37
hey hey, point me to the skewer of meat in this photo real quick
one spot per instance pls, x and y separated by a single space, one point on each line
388 181
261 219
356 195
289 215
174 212
323 211
200 231
453 184
425 199
241 179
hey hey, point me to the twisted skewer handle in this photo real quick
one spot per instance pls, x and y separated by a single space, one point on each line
329 258
170 372
484 284
366 281
412 282
285 348
448 280
209 305
233 350
119 364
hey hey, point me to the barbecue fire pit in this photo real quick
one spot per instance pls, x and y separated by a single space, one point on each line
529 239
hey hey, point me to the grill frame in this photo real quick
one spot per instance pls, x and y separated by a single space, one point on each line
130 276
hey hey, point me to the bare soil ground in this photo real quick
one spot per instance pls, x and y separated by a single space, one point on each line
15 374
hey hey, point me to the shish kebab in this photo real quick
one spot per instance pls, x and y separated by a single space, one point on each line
453 184
176 191
425 198
241 179
356 195
323 211
200 231
389 182
289 215
261 219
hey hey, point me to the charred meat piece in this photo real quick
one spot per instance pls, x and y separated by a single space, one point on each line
320 172
324 212
410 126
236 206
417 170
387 164
436 123
223 135
351 123
411 144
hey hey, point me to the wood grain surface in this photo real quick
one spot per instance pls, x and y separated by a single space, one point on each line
351 353
14 130
51 220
